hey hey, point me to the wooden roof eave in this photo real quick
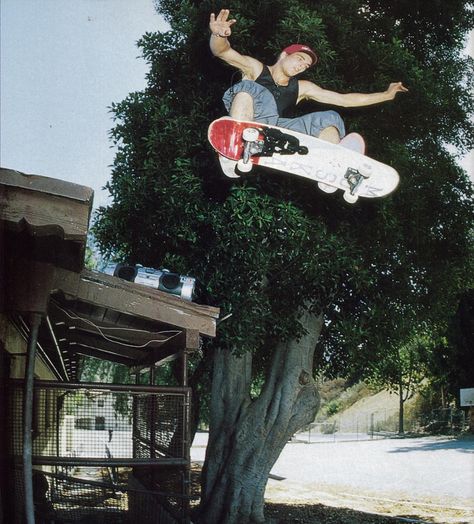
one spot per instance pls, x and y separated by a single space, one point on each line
45 206
137 300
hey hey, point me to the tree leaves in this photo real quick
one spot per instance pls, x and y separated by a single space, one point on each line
268 244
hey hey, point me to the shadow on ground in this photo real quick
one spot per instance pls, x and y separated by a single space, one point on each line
461 444
319 514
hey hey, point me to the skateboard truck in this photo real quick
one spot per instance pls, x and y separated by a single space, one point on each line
274 141
354 179
252 146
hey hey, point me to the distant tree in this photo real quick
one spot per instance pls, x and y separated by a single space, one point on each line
402 368
97 370
311 282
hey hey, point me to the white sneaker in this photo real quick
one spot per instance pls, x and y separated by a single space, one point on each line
355 142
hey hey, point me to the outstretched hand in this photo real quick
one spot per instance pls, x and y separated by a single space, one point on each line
221 25
396 87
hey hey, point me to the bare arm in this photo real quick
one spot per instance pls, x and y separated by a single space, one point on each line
308 90
220 27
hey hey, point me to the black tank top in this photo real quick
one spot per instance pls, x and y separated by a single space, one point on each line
285 96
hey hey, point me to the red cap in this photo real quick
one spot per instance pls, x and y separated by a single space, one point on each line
301 48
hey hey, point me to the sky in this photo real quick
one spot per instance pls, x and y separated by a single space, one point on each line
63 63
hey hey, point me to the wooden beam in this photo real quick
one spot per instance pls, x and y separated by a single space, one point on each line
137 300
168 349
101 355
51 206
29 284
66 319
97 342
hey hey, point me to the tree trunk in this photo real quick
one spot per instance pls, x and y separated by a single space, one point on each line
247 436
401 423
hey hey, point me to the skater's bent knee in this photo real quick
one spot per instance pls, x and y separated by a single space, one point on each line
242 107
330 134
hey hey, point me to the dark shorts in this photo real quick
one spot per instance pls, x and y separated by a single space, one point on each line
265 111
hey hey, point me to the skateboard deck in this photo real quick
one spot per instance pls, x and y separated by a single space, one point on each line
245 144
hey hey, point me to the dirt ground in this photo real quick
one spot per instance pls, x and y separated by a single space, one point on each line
288 505
334 507
320 514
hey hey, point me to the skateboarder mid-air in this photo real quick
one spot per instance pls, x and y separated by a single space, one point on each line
265 93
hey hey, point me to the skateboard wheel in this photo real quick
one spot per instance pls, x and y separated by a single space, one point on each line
326 187
348 197
228 167
244 167
250 134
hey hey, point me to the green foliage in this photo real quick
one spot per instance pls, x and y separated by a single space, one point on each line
333 407
90 262
337 396
74 400
95 370
452 362
267 246
403 367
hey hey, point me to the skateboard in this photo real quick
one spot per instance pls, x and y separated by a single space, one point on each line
242 145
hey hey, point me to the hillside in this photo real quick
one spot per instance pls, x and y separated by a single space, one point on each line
358 409
379 411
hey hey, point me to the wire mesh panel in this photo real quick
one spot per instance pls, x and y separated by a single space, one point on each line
167 501
160 425
94 444
94 495
102 423
81 495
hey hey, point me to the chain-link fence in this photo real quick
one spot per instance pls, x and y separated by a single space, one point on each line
383 424
361 426
446 421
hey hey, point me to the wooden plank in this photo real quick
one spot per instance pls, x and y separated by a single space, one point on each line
70 323
101 355
95 347
193 340
97 342
44 184
103 462
47 214
29 285
135 299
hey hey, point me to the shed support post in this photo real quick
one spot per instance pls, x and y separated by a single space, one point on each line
28 418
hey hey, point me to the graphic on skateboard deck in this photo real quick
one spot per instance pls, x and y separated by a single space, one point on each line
245 144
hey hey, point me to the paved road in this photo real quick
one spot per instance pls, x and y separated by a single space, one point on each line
436 467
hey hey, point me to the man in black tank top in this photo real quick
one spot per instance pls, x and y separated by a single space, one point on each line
268 93
285 96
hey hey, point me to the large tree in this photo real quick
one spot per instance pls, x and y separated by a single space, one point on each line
310 281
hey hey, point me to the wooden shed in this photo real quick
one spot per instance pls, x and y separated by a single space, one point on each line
61 432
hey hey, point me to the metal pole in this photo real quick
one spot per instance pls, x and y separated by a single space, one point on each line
152 423
187 456
28 418
152 415
135 405
186 448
